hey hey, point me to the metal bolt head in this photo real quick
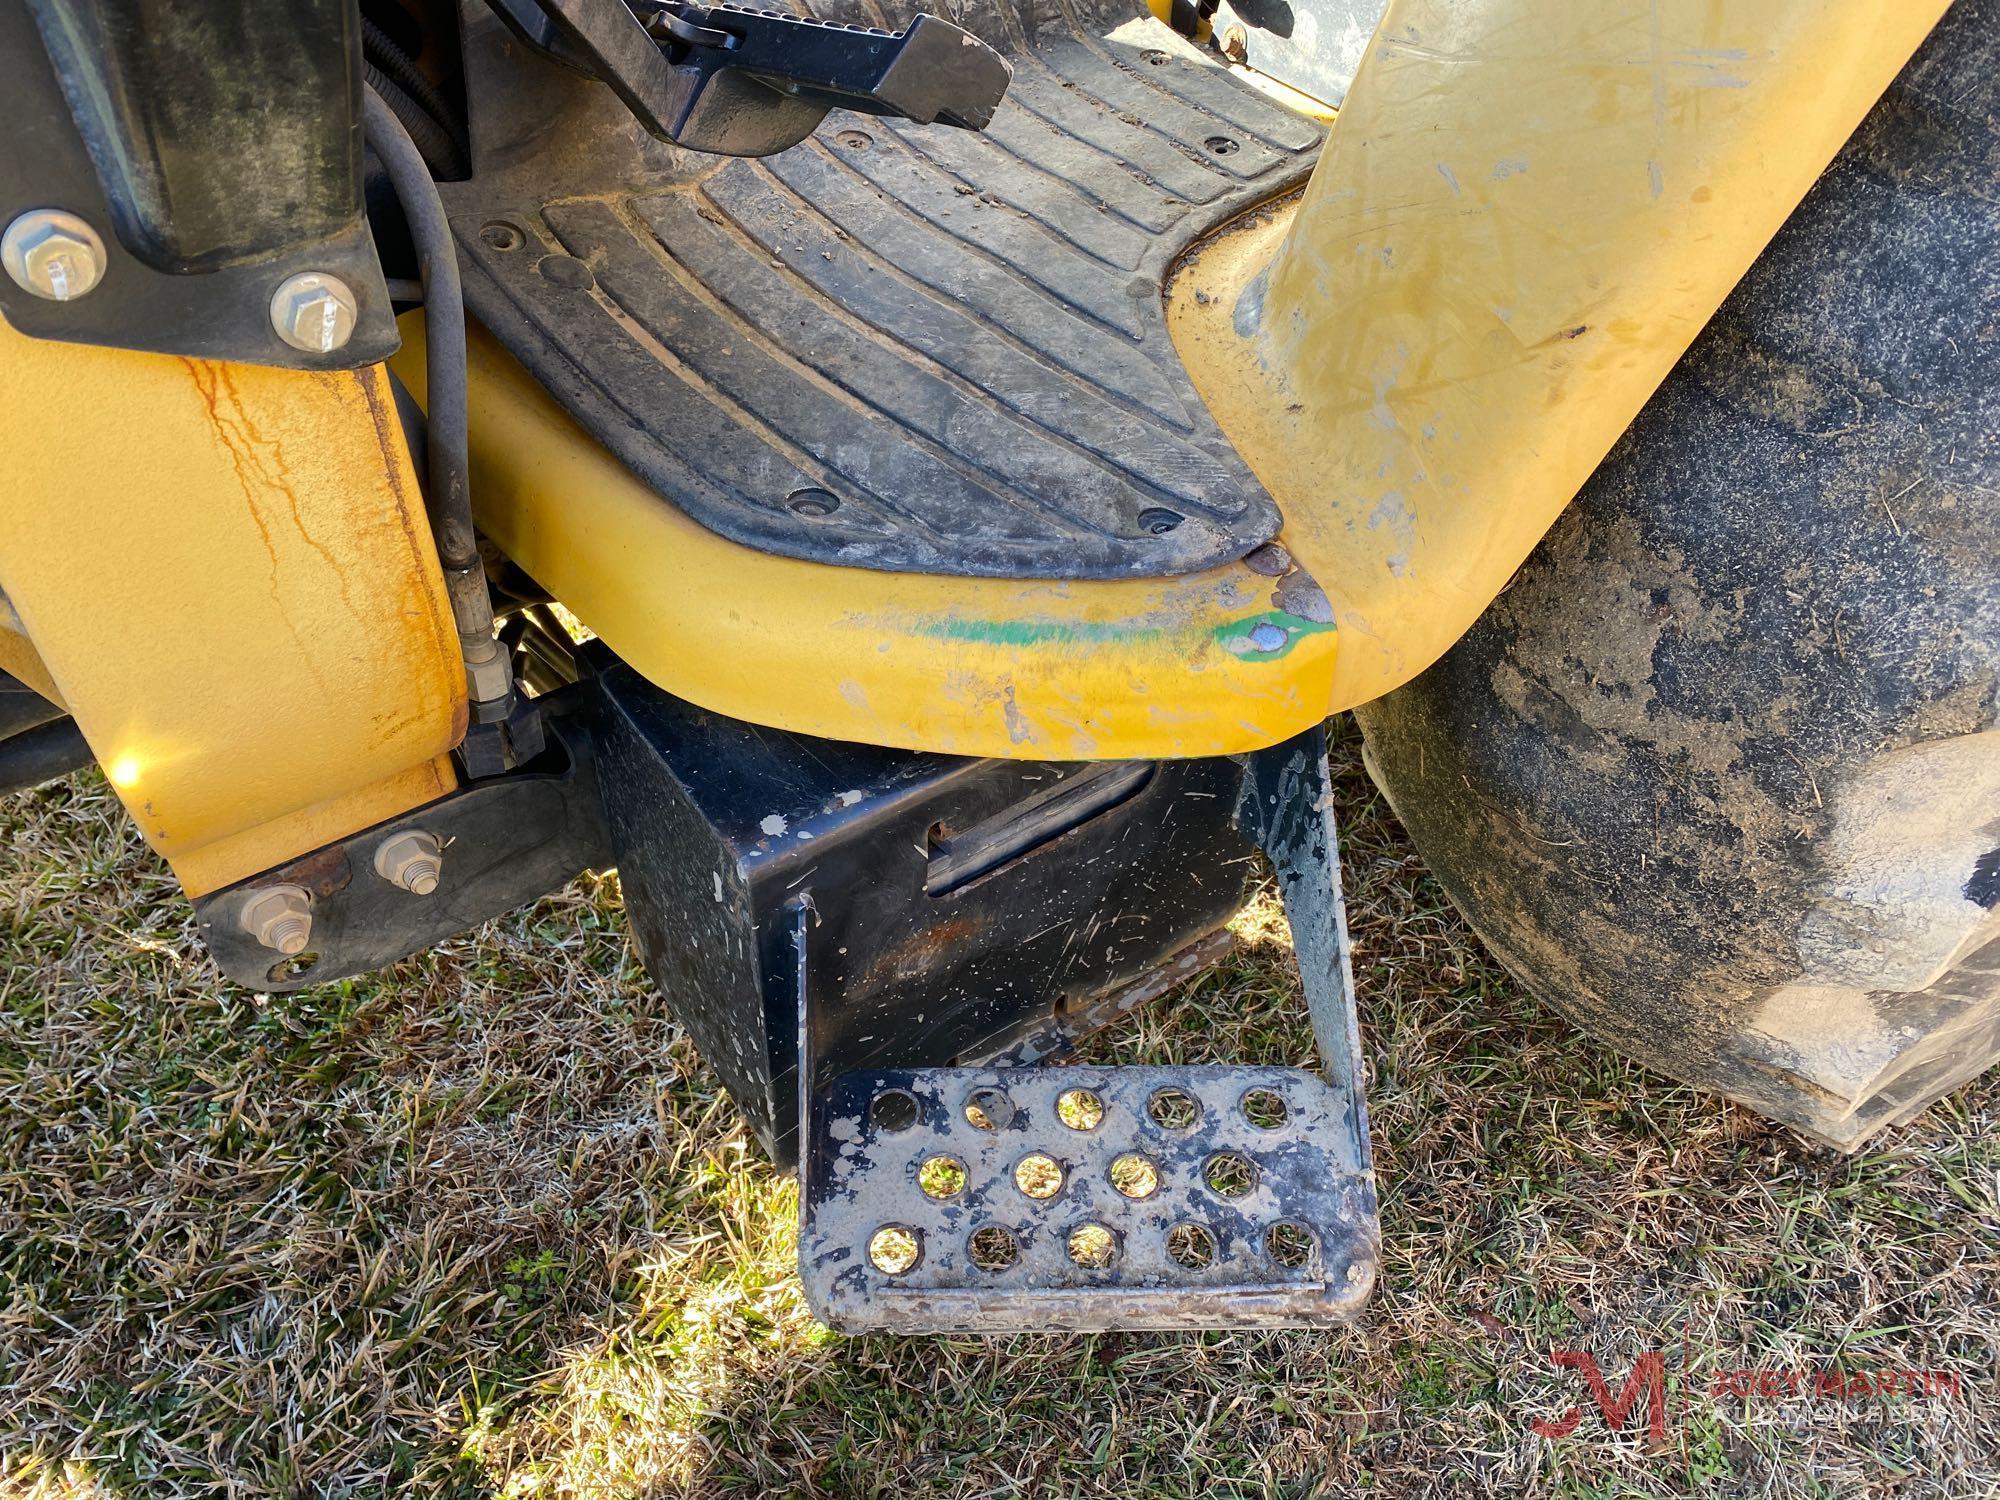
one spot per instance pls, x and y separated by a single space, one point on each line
1235 44
279 917
53 254
491 680
314 312
413 861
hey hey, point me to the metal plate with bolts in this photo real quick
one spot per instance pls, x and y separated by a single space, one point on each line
1086 1197
421 877
230 307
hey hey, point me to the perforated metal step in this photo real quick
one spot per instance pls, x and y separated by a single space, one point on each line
969 1199
893 346
948 1199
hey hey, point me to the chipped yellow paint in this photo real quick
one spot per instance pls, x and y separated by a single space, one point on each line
1285 94
227 572
975 666
1525 212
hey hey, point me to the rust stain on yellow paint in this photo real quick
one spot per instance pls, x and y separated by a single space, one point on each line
227 572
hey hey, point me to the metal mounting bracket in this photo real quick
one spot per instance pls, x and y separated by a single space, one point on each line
735 81
991 1199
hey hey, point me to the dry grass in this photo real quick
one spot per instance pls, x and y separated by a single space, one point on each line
483 1224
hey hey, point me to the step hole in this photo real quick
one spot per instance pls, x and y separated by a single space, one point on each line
1191 1246
1039 1175
942 1177
813 502
1092 1246
992 1248
1157 520
1230 1173
1080 1109
893 1110
895 1249
989 1109
502 236
1265 1108
1134 1175
1290 1245
1174 1109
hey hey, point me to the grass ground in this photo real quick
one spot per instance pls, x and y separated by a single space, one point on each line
483 1224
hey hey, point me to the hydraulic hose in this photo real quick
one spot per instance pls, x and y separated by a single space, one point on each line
434 143
382 53
448 459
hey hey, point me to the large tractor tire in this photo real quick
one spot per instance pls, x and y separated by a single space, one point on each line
1719 774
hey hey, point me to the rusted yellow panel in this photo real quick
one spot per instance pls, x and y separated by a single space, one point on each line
1203 665
228 573
1526 211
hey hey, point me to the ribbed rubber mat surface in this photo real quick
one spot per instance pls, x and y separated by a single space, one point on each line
900 347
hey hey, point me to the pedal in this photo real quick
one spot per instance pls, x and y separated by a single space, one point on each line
738 81
996 1199
950 1199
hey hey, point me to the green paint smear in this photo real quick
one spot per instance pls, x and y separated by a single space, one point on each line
1035 632
1233 636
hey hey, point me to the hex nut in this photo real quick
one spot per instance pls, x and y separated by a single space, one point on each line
414 861
314 312
279 917
53 254
491 680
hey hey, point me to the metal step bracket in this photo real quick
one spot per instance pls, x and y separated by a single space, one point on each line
1003 1199
738 80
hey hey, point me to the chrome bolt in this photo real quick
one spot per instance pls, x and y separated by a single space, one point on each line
413 861
314 312
53 254
279 917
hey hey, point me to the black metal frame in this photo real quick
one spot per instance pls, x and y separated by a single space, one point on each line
149 297
736 81
506 841
966 910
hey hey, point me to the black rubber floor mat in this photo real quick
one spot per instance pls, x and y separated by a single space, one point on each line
893 346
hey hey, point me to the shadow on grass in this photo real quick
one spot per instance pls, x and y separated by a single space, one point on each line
484 1224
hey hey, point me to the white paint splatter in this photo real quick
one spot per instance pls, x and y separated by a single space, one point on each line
773 825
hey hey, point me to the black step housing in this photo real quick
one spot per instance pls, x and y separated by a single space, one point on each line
961 910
